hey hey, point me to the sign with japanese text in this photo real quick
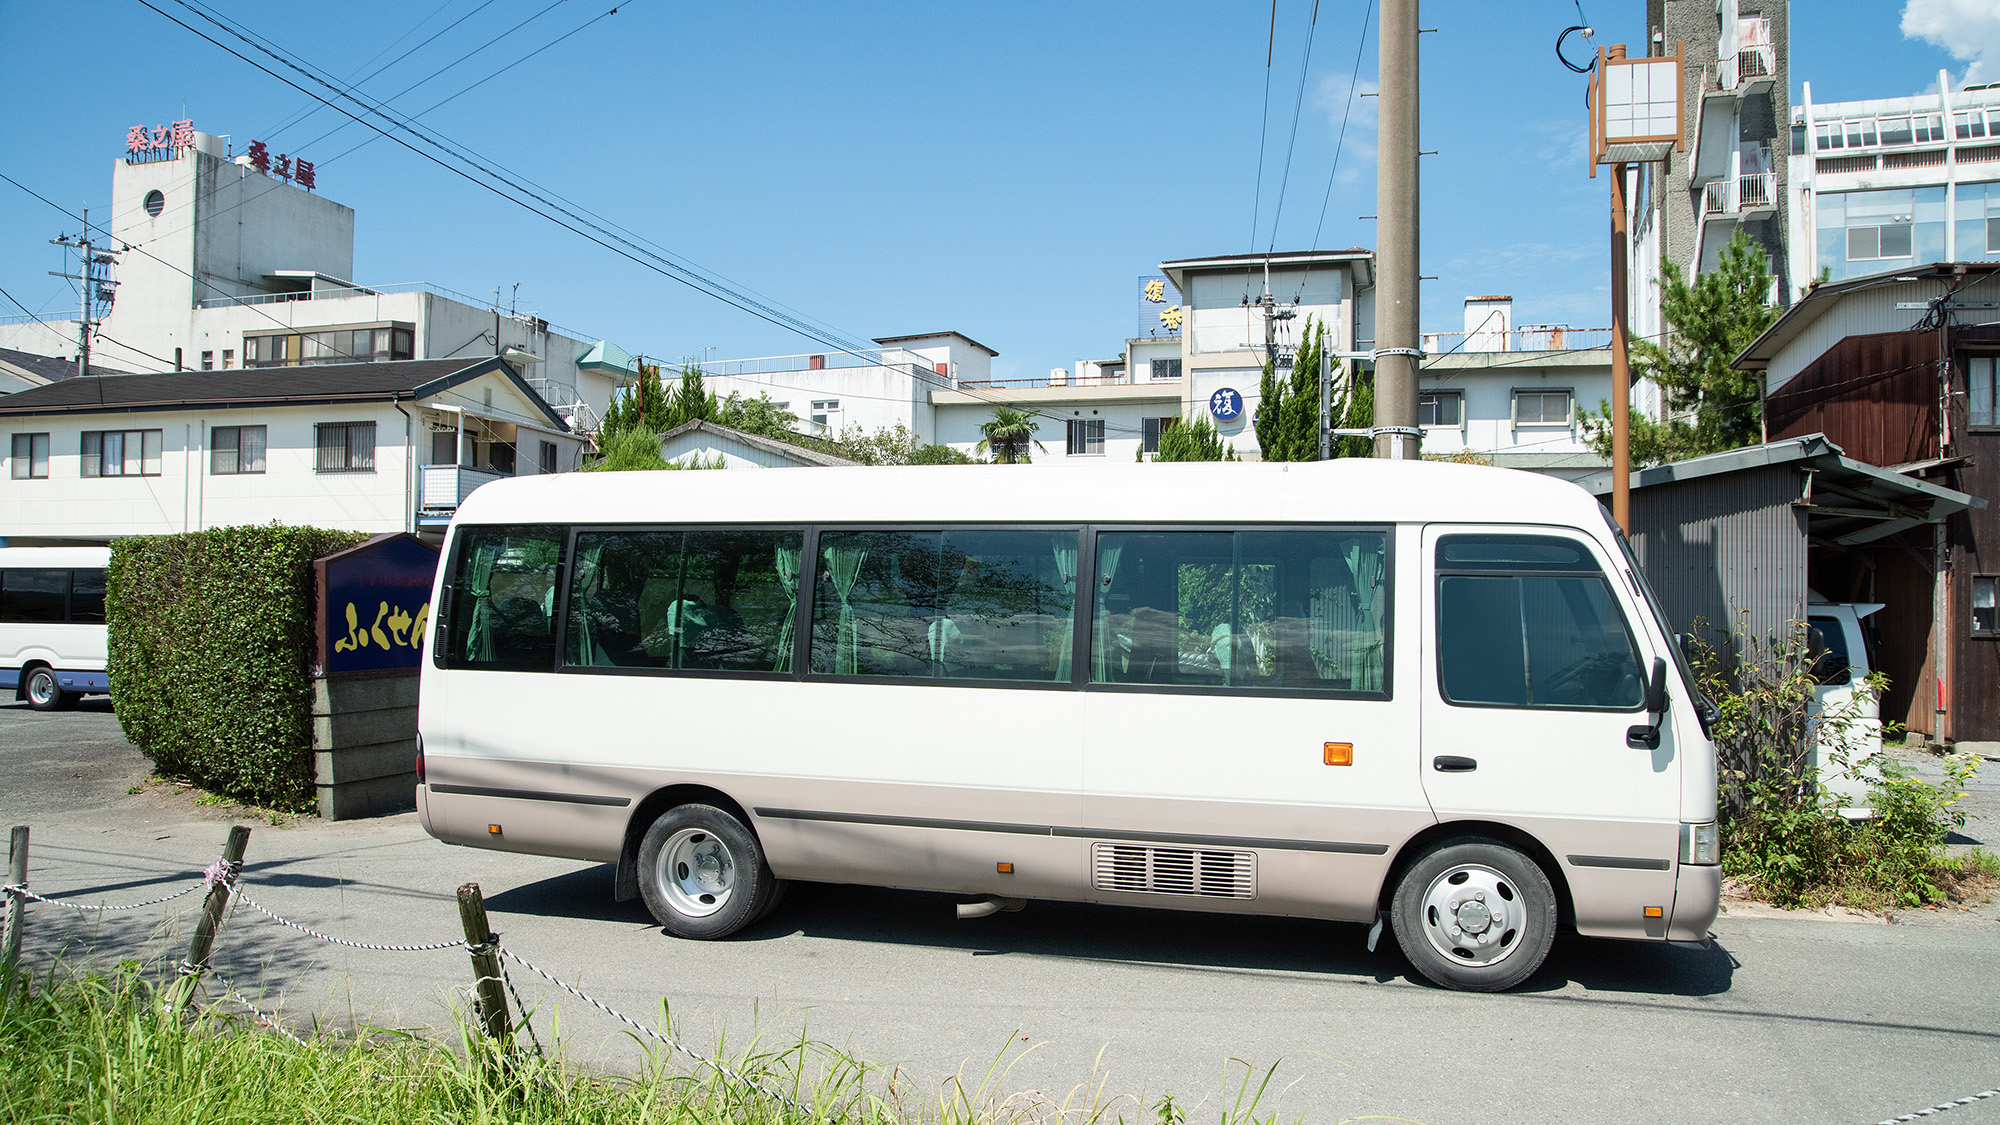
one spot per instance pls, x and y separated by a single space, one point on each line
147 143
1226 404
1160 311
374 605
285 167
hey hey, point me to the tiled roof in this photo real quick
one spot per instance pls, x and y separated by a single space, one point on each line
271 386
50 367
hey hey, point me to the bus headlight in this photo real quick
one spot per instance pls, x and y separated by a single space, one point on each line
1701 843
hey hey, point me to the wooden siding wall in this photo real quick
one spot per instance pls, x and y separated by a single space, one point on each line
1875 396
1728 551
1974 539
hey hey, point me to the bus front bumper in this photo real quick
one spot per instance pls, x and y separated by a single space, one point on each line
1697 900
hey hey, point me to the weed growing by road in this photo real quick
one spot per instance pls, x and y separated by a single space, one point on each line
1782 832
98 1049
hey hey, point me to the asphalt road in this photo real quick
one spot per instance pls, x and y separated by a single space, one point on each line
1778 1020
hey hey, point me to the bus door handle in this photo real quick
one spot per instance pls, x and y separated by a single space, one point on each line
1453 763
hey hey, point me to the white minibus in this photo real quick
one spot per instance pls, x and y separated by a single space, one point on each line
52 648
1437 697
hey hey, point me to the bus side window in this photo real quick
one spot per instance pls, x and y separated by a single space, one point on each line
86 597
1530 621
1288 610
503 598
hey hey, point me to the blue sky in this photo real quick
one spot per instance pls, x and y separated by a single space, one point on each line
1004 170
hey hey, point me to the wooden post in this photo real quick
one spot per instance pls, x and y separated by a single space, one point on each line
17 876
211 920
484 946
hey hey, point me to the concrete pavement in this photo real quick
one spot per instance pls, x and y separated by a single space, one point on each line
1779 1020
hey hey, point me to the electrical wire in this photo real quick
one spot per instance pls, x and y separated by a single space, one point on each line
301 115
562 216
1291 141
1263 130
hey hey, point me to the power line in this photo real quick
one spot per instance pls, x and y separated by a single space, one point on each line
1291 142
1361 45
302 115
569 219
1263 129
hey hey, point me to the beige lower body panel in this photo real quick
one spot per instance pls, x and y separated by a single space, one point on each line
1311 862
1697 900
1615 870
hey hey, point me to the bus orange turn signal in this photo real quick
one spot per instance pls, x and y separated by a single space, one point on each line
1340 753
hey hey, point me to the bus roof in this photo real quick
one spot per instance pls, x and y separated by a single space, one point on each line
1346 490
66 557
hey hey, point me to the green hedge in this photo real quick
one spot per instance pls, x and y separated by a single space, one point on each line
211 639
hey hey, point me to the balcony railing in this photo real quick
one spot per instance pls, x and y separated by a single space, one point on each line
442 488
1535 338
1756 192
1067 380
1754 60
343 292
894 359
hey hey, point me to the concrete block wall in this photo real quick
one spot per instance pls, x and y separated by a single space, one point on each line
365 745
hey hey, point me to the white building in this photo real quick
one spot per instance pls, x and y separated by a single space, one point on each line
1895 183
231 267
364 447
1516 395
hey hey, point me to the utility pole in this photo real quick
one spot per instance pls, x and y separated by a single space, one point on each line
1621 374
1396 188
90 283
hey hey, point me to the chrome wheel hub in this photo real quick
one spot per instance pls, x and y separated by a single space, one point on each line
696 872
1473 915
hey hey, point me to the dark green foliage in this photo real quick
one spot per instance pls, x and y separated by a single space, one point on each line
643 406
1709 323
1287 419
758 415
1194 441
1781 830
628 451
211 649
940 455
690 401
1010 435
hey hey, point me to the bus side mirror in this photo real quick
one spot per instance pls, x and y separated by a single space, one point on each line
1646 736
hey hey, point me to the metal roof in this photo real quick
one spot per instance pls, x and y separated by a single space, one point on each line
266 386
1820 300
1845 501
798 454
51 367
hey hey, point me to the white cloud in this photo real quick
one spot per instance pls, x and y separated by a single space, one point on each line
1968 29
1333 99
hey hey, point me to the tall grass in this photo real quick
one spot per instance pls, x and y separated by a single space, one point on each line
99 1049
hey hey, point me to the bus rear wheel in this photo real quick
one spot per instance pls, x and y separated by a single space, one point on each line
702 873
45 694
1475 915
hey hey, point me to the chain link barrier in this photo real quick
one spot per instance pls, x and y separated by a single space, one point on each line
12 889
1933 1111
455 943
669 1041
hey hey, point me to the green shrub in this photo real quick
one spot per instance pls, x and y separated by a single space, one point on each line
1782 832
211 648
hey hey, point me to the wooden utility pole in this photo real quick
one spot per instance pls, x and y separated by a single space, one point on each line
1396 284
1621 376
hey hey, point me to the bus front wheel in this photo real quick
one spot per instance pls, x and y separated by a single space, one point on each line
1474 914
45 694
702 873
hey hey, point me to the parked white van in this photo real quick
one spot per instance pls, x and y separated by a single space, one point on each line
1843 660
52 638
1434 696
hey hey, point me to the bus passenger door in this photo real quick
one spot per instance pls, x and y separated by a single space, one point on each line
1534 716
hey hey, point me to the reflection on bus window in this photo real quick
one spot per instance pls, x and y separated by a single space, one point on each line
1288 610
1530 621
503 598
709 600
972 604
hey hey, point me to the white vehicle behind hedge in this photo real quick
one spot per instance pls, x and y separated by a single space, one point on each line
52 641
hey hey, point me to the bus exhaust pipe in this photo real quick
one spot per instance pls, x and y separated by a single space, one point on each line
989 905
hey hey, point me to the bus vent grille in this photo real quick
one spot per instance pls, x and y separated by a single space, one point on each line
1174 871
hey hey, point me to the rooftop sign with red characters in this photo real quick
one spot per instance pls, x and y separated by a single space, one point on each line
283 166
147 143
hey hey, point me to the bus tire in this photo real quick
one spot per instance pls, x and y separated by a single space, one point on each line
44 693
702 873
1475 915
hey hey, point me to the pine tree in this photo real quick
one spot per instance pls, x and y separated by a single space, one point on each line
1287 420
690 401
